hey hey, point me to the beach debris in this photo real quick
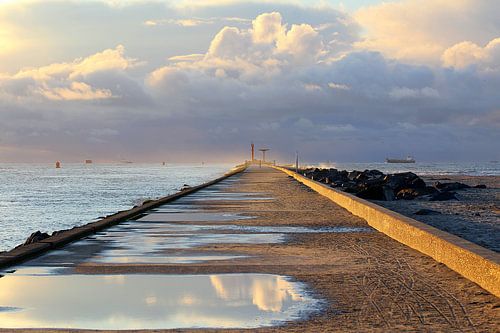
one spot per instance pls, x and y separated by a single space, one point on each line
427 212
375 185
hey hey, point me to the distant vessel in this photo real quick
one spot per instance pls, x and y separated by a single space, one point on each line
88 162
408 159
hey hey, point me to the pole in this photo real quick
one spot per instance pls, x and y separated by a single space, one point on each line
297 161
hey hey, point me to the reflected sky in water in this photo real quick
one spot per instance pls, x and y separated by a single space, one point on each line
150 301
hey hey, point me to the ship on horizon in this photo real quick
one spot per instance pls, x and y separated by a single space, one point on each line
408 159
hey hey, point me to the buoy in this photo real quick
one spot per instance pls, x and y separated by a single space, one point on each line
58 165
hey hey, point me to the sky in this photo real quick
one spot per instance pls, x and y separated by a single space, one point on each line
190 81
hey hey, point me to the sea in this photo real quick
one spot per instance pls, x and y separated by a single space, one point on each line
40 197
422 168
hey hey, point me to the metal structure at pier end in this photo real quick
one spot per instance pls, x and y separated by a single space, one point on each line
263 150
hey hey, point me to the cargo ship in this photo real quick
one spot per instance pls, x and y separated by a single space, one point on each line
408 159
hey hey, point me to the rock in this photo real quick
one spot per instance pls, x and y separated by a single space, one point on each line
480 186
353 174
376 192
36 237
450 186
443 196
407 194
399 181
372 193
412 193
388 193
427 212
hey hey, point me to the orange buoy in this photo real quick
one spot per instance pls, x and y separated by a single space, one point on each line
58 165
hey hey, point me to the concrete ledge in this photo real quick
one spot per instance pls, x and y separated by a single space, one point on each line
25 252
470 260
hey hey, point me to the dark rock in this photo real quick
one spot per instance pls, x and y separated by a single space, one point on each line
372 193
480 186
353 174
36 237
376 192
399 181
374 173
407 194
443 196
388 193
450 186
412 193
427 212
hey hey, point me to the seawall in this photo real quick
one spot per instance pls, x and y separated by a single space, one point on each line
472 261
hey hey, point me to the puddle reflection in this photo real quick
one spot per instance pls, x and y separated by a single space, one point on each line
151 301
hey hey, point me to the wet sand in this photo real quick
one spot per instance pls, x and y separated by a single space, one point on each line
475 216
370 282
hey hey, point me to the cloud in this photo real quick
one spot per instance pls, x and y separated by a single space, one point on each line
286 76
68 81
77 91
421 30
398 93
465 54
194 21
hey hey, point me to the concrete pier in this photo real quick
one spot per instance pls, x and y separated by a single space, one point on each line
262 222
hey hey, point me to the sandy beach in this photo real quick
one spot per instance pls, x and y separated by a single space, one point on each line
475 216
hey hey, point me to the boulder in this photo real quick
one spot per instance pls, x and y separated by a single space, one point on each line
372 193
376 192
407 194
36 237
353 174
399 181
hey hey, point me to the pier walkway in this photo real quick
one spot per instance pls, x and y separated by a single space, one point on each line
257 249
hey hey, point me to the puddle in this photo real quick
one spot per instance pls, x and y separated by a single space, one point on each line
222 198
152 301
161 243
191 217
112 257
38 270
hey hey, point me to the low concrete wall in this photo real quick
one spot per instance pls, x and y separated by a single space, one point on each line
472 261
25 252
